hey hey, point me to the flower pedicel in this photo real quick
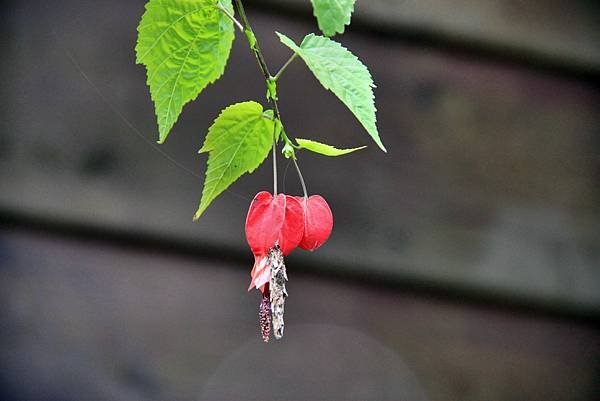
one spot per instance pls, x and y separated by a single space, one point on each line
275 226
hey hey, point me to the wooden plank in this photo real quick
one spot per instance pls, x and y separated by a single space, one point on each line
490 183
86 319
567 32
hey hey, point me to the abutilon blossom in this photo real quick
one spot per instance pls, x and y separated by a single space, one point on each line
275 226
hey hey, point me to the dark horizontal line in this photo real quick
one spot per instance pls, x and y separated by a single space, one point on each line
400 283
481 49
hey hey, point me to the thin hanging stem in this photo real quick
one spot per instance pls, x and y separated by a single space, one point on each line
274 151
301 178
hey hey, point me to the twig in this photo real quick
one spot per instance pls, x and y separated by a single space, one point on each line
287 63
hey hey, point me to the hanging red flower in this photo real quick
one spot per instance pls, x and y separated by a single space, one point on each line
263 226
272 221
275 226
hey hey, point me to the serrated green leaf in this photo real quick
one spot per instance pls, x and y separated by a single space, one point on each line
341 72
333 15
238 142
324 149
184 45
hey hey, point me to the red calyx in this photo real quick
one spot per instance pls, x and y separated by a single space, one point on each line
286 221
318 222
270 221
264 222
292 229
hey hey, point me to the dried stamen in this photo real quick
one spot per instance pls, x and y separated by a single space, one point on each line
277 290
264 317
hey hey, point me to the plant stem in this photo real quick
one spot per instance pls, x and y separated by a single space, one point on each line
231 17
274 151
265 71
301 178
253 42
254 46
292 58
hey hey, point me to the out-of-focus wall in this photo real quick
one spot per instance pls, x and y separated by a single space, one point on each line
83 320
556 30
488 194
490 182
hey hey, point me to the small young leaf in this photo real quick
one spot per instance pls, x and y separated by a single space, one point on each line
184 45
238 142
333 15
341 72
324 149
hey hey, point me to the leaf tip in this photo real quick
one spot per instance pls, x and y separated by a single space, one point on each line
162 137
198 213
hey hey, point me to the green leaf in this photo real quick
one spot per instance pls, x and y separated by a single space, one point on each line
324 149
341 72
184 45
238 142
333 15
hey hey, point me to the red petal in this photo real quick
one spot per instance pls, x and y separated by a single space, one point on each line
264 222
318 222
293 225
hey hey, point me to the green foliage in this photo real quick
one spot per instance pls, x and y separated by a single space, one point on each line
184 45
288 151
238 142
323 149
343 73
333 15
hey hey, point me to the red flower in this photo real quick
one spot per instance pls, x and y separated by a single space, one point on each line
272 221
275 226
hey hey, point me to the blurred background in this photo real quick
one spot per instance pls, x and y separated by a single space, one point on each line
464 264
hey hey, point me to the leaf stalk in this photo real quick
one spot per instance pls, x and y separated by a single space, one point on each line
283 68
231 17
